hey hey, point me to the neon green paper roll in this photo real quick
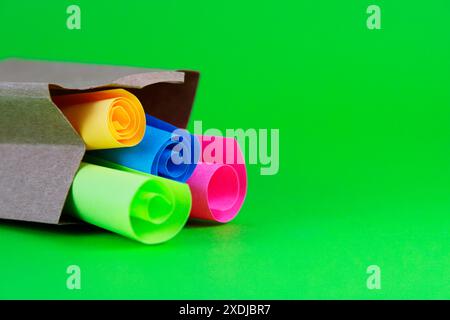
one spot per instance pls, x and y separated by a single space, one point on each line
145 208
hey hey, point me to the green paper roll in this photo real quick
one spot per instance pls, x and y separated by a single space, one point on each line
145 208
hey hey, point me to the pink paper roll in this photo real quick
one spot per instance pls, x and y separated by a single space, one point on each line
219 182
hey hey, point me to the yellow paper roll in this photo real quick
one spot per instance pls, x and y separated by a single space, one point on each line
105 119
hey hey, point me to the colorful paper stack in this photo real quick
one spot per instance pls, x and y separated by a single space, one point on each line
142 177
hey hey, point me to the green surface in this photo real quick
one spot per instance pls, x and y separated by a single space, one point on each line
364 119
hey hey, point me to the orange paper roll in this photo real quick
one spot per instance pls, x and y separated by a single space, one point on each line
104 119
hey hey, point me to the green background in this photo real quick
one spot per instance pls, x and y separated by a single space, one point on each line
364 119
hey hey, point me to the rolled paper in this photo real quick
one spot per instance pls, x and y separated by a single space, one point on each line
219 183
145 208
165 151
104 119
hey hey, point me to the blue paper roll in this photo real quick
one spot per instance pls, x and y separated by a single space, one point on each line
165 151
